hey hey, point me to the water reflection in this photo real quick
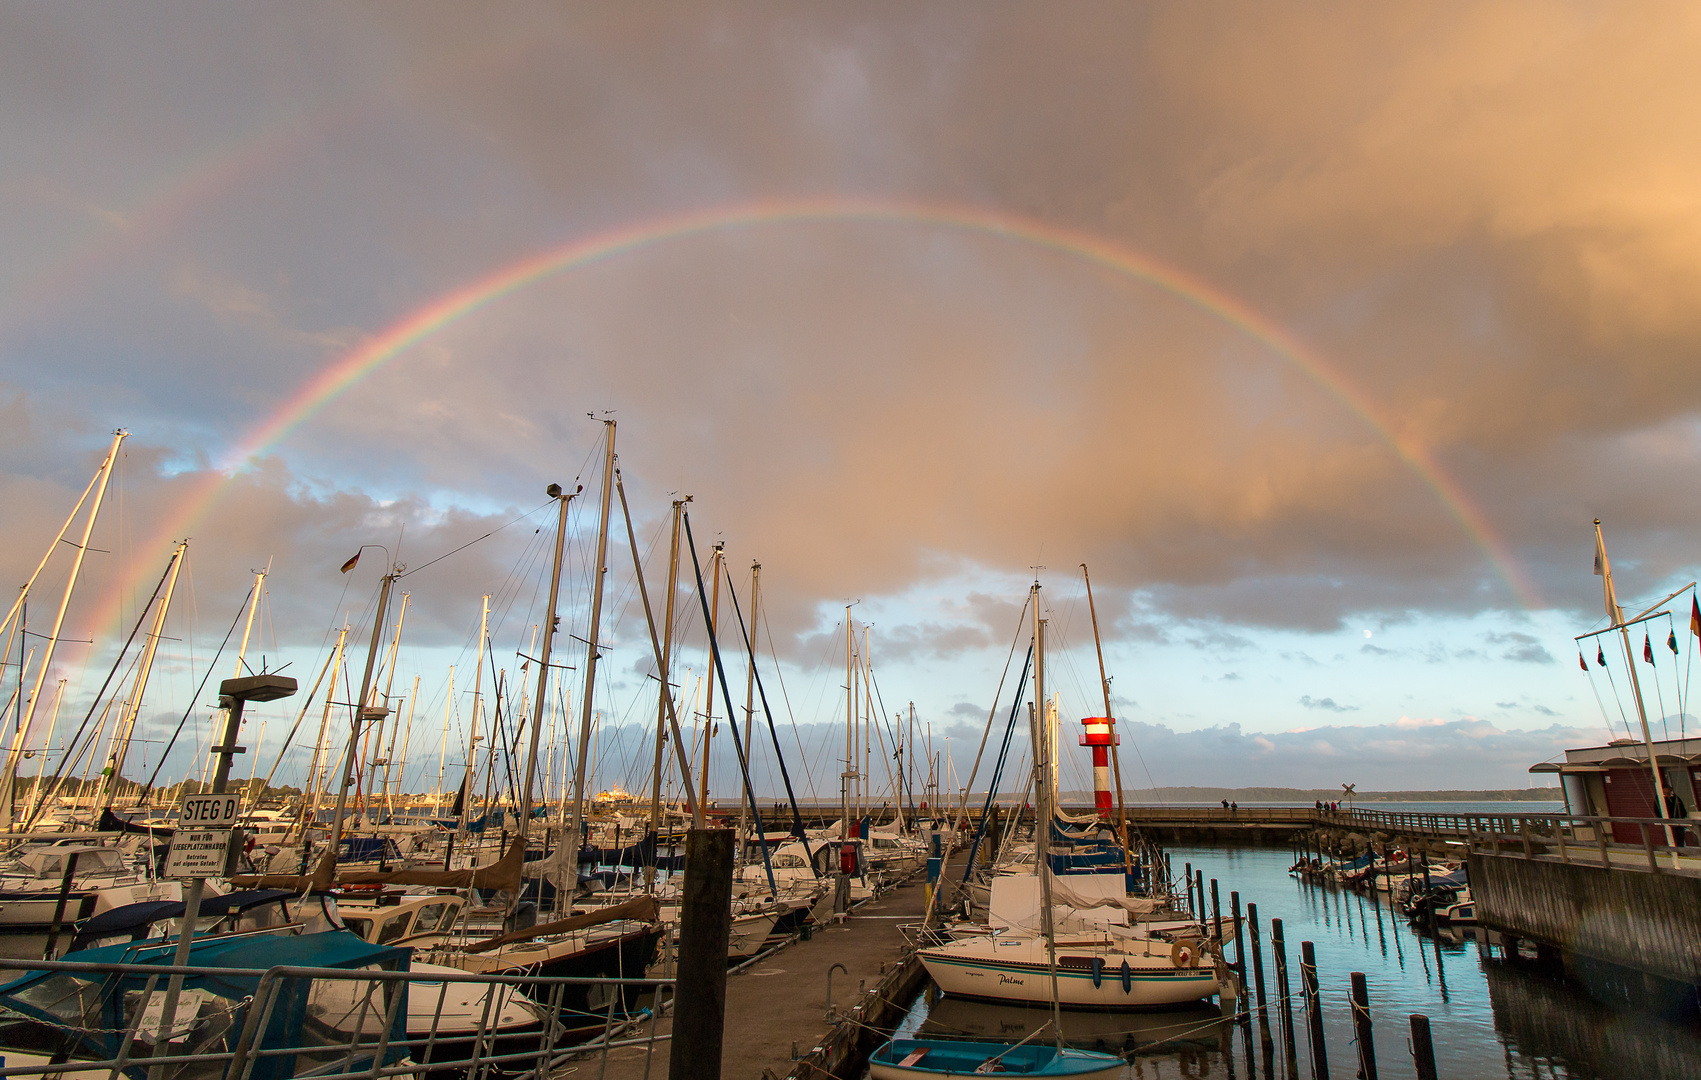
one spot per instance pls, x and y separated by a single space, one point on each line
1488 1018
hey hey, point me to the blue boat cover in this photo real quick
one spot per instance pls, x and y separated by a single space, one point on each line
92 1010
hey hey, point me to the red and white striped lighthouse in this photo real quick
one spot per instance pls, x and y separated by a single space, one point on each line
1099 736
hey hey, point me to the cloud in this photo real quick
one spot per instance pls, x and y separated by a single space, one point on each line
1476 225
1521 648
1326 704
1468 753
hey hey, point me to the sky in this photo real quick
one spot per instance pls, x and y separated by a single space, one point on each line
1319 334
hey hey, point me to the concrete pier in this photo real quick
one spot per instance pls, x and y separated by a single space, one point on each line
1630 917
781 1002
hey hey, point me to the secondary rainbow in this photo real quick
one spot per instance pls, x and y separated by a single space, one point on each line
338 376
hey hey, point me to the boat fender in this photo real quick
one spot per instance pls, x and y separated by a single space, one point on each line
1184 954
1098 971
1127 978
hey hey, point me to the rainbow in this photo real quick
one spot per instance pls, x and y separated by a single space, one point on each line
340 375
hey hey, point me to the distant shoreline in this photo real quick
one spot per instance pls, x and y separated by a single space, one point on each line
1274 794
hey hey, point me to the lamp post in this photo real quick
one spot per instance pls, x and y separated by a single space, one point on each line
233 695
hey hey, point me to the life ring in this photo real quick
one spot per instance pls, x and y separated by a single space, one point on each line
1184 953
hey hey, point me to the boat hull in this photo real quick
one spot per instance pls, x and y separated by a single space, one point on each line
939 1059
1148 985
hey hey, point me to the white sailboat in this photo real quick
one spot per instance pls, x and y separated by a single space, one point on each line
1097 966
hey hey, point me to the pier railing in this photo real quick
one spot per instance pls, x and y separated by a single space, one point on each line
1658 845
366 1022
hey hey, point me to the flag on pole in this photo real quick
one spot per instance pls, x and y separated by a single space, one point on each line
350 564
1600 554
1694 616
1647 647
1671 641
1582 663
1600 656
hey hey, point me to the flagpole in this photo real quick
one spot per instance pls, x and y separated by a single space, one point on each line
1616 614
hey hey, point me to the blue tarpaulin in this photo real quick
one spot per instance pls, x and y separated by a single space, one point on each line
89 1012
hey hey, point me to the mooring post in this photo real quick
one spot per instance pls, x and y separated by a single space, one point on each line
1361 1024
1258 973
1187 872
1313 1011
1216 914
1284 996
1239 956
705 923
1423 1050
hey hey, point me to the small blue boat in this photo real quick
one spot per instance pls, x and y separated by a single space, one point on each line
919 1059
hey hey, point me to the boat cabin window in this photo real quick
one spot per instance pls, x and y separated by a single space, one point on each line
362 928
789 862
394 928
52 864
432 918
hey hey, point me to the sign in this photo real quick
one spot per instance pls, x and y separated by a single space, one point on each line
203 853
209 811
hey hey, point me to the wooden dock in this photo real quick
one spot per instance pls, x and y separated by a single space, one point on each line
778 1007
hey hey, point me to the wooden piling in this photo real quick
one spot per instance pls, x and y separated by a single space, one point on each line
705 924
1216 916
1258 973
1239 956
1423 1050
1187 872
1361 1025
1313 1011
1284 996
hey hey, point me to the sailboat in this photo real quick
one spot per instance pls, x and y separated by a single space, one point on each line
913 1059
1086 964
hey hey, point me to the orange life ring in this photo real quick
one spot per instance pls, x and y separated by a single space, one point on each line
1184 953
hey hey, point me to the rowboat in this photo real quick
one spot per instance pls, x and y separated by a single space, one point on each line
917 1059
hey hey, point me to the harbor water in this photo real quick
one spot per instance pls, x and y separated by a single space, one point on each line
1489 1018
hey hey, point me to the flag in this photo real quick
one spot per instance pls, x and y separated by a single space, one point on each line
350 564
1600 553
1694 617
1671 642
1600 656
1647 647
1582 663
461 795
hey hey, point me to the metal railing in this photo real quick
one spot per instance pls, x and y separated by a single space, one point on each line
1631 843
1661 845
354 1012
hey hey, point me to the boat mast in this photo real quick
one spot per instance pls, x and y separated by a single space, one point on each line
1115 757
375 734
11 774
709 681
361 710
315 772
850 730
390 755
664 695
749 706
867 761
127 721
46 746
1042 809
593 646
1615 615
13 621
473 735
538 703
